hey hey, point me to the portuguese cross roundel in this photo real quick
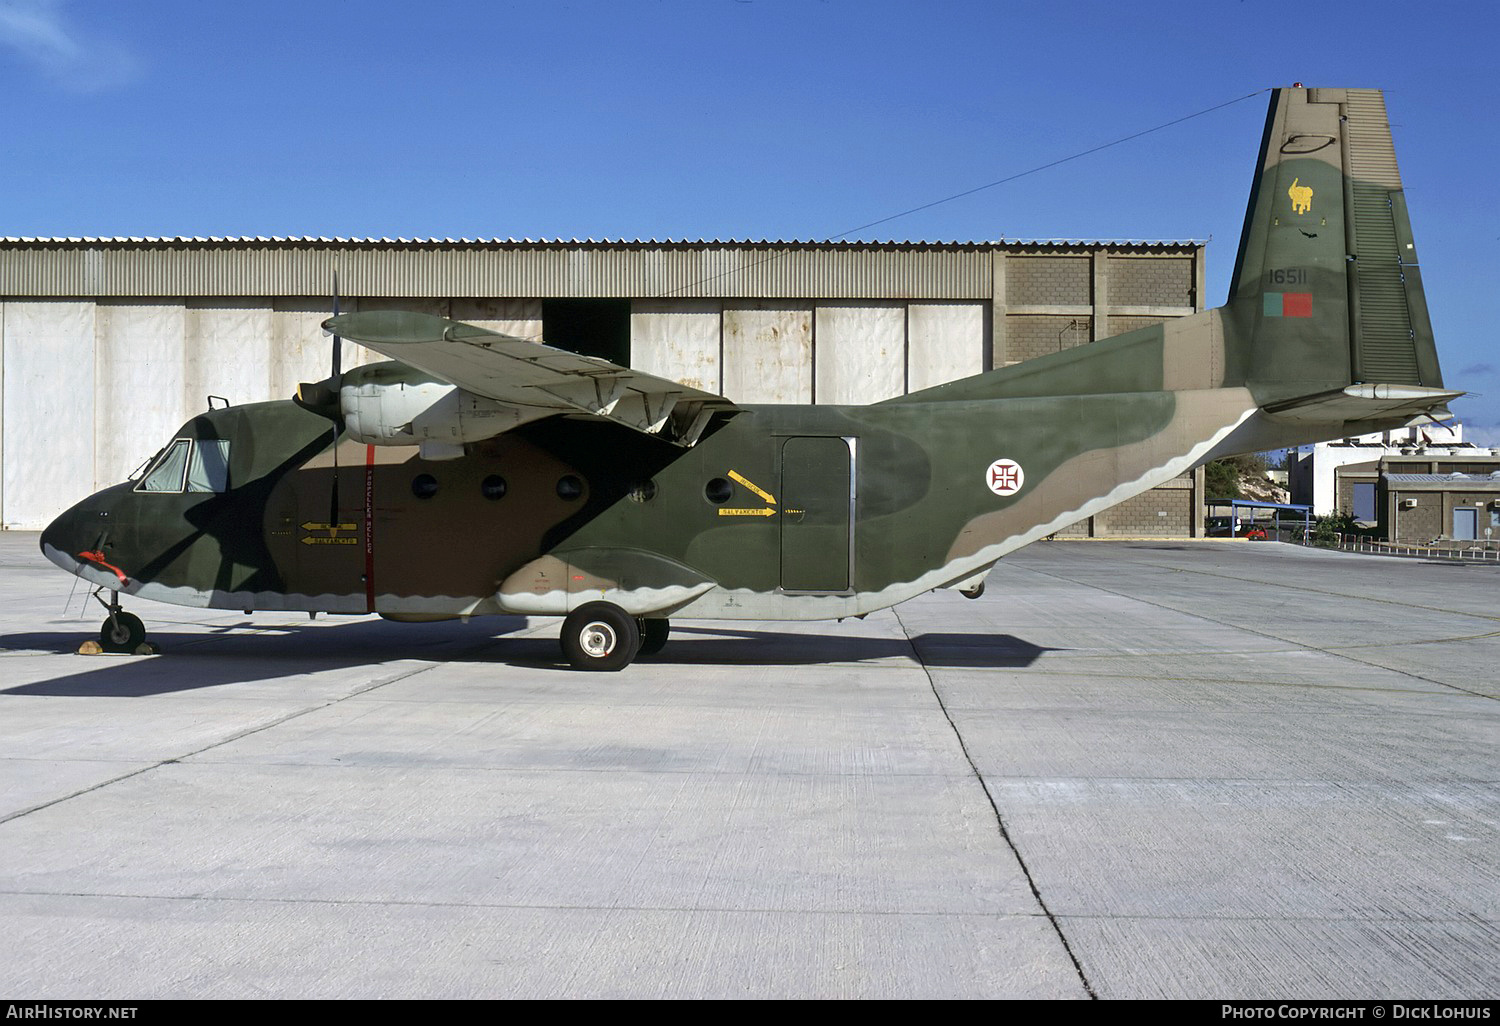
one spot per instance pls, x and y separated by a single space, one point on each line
1005 477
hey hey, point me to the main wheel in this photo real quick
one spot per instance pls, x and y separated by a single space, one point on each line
654 635
122 633
600 636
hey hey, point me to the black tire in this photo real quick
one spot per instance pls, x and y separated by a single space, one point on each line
654 636
600 636
122 632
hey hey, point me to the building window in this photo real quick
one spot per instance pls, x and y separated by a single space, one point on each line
1364 501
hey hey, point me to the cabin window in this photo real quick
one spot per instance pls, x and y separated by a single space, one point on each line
569 487
208 470
168 473
717 491
424 486
493 487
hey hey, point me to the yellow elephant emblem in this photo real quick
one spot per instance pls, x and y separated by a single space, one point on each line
1301 197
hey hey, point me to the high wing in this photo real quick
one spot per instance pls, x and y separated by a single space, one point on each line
533 376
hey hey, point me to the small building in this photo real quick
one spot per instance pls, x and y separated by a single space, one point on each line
1312 474
1417 499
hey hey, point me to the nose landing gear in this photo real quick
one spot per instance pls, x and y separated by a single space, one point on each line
121 631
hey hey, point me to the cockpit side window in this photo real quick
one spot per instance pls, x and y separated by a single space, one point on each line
208 471
169 470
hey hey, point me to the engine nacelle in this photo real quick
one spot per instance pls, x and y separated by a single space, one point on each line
390 403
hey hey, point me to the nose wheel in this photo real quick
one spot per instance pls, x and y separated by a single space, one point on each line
121 631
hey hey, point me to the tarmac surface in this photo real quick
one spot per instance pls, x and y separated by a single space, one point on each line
1129 770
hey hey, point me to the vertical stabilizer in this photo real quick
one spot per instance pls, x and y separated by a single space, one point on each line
1326 289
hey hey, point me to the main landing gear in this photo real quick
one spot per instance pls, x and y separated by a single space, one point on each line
121 631
601 636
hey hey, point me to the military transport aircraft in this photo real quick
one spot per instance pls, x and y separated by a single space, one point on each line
477 473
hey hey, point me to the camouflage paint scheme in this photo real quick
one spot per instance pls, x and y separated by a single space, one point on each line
829 511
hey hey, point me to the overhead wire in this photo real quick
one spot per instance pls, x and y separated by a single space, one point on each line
981 188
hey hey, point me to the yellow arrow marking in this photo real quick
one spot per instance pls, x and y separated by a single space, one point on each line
330 541
327 527
757 489
735 512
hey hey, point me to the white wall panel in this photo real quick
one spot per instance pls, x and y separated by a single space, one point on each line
299 349
2 415
521 318
139 399
677 339
860 351
768 352
228 352
944 342
48 409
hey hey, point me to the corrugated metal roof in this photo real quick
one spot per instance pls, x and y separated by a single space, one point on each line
1459 481
340 240
541 268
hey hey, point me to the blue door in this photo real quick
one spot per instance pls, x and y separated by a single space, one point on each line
1464 522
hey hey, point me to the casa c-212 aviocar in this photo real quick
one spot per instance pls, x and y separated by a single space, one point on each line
573 487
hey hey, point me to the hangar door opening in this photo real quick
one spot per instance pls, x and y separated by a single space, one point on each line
589 327
817 514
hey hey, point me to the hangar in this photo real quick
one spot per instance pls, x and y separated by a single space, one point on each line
108 344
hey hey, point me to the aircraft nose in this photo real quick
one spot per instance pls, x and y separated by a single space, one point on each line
74 531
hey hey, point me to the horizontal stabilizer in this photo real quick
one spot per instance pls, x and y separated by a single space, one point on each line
1367 403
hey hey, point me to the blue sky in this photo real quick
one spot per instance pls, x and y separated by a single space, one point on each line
736 119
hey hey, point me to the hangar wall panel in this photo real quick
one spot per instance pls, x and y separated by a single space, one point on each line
519 318
944 342
49 409
768 349
301 352
677 339
139 388
2 416
859 351
227 352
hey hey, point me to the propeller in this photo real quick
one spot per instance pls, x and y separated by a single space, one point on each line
335 380
322 397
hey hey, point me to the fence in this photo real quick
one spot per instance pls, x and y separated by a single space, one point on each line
1355 543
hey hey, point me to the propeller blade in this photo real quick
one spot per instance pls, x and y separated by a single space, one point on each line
336 379
338 343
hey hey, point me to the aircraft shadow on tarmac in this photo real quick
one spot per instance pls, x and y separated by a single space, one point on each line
242 653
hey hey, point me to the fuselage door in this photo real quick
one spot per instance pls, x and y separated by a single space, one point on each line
817 517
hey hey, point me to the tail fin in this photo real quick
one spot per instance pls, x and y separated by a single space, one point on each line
1326 324
1326 290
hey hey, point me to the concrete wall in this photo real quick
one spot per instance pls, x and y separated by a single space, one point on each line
1172 510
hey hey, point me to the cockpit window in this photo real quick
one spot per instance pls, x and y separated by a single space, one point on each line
168 472
208 471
